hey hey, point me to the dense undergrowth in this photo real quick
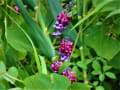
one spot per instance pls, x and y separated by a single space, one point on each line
60 44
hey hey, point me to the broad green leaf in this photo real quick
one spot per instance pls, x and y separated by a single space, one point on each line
80 86
98 39
18 41
110 75
2 67
99 88
52 82
39 38
101 77
12 72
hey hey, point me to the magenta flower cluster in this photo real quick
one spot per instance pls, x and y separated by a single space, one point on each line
17 9
62 22
65 52
66 46
69 74
65 49
55 66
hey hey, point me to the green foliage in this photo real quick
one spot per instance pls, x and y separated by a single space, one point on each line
28 48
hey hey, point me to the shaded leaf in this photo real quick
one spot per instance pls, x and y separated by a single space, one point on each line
80 86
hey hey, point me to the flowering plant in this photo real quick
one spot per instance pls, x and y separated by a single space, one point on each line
59 44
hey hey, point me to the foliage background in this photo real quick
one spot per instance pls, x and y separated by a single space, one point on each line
27 47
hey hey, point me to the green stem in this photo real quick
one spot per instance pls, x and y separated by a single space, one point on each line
83 60
75 44
6 74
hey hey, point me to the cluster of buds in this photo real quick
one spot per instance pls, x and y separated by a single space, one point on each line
62 22
65 49
69 74
55 66
17 9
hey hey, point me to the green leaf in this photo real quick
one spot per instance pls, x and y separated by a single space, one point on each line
101 77
96 66
106 68
52 82
99 88
2 67
18 41
98 39
95 72
110 75
12 72
39 38
95 83
80 86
